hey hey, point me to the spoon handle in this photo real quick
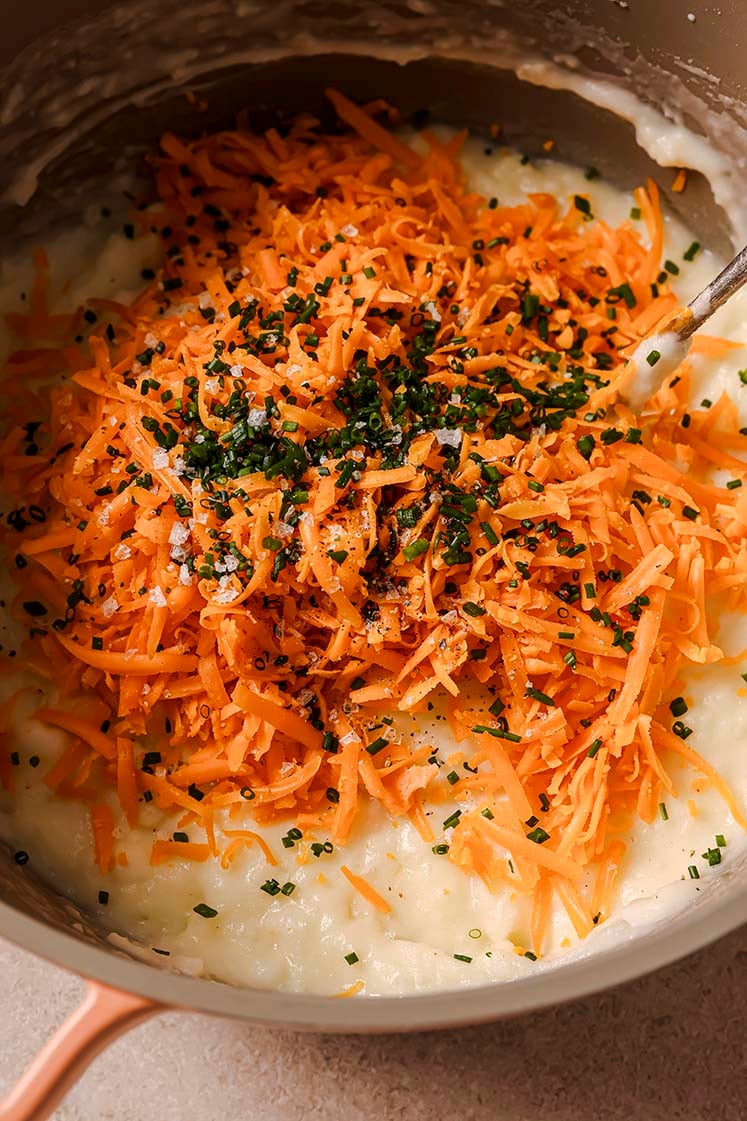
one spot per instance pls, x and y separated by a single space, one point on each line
729 280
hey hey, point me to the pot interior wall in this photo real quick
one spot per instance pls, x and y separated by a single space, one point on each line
464 94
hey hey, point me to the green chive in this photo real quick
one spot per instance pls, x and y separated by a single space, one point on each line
543 698
204 911
410 552
473 610
583 205
352 958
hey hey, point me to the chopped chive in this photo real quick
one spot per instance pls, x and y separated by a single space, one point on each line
473 610
377 746
498 733
594 748
663 813
352 958
463 957
583 205
537 695
653 357
416 549
538 835
678 707
721 840
204 911
694 873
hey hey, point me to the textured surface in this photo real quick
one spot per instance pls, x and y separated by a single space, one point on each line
668 1048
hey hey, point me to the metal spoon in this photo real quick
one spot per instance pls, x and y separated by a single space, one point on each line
657 356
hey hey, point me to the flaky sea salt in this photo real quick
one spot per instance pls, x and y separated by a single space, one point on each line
109 606
179 534
157 597
226 595
450 436
255 418
160 459
185 576
122 552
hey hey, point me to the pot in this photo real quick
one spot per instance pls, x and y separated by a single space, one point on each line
81 94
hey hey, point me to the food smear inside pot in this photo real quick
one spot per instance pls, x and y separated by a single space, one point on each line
360 639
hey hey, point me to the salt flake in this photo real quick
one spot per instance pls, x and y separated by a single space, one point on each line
450 436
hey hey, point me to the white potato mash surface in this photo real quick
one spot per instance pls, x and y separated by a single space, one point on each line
324 937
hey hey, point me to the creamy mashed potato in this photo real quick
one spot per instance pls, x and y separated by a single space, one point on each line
324 937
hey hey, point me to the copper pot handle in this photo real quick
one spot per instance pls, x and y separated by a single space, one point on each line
102 1015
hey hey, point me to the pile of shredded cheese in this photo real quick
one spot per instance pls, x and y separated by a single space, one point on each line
355 449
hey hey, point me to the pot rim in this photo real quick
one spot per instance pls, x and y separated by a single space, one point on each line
643 953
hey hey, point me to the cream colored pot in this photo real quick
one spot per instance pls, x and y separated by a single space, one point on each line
82 92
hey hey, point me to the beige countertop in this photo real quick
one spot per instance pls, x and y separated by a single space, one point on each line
671 1047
